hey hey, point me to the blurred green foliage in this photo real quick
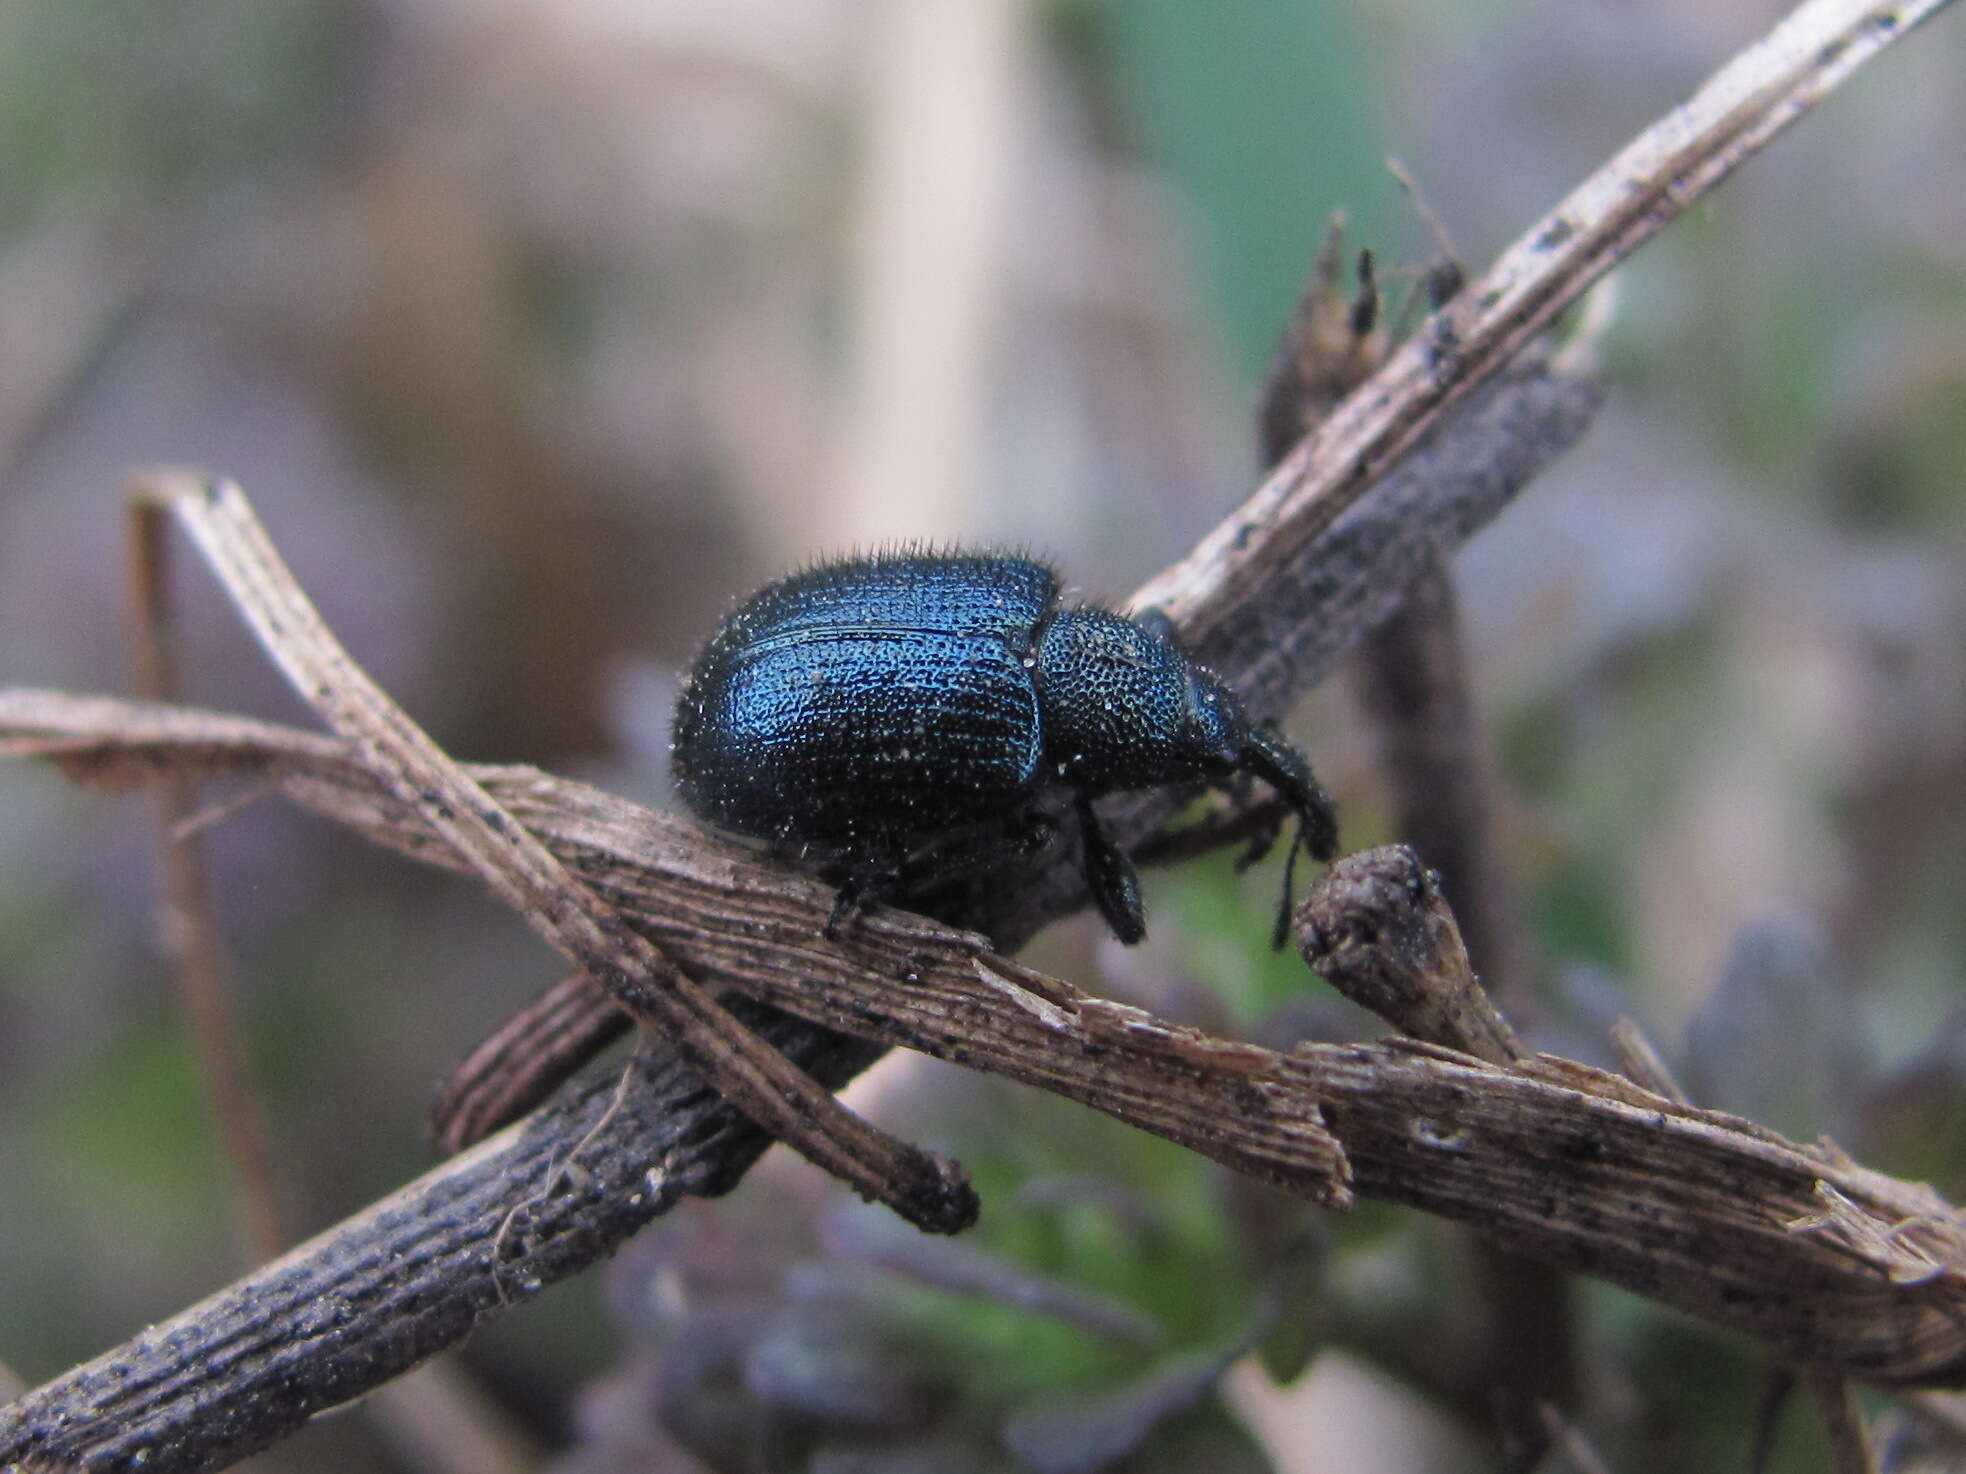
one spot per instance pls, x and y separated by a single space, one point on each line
99 103
1265 115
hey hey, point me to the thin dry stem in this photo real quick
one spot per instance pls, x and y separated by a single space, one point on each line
1849 1443
1777 1385
531 1055
1643 1062
1825 1261
201 967
1379 930
1568 1437
436 1410
1413 686
1411 675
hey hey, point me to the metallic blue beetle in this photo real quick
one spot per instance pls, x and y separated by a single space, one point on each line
899 716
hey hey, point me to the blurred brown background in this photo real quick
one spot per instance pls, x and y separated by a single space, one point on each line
538 333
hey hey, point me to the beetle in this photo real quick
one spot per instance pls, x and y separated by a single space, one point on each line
904 714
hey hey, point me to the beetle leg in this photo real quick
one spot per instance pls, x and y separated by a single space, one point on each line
844 905
861 886
1114 883
1280 931
1262 839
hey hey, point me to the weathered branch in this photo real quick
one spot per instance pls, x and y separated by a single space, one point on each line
1827 1262
407 1277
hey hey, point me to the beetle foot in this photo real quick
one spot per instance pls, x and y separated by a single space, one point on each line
1264 838
844 905
1109 874
1318 825
861 889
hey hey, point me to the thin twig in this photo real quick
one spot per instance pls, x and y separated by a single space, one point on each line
1379 930
1437 496
1777 1383
405 1278
1643 1062
1843 1420
1413 684
1943 1410
1412 679
1568 1437
445 1423
533 1053
1700 1210
436 1410
1599 1158
192 940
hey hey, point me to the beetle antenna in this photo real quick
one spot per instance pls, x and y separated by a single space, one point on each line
1280 765
1280 933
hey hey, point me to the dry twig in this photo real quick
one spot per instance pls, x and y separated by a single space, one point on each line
201 968
1849 1444
1823 1260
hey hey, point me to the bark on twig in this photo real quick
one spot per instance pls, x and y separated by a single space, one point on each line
1379 931
1777 1383
1825 1261
1650 183
1436 498
449 1424
1642 1061
1413 684
532 1054
408 1276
